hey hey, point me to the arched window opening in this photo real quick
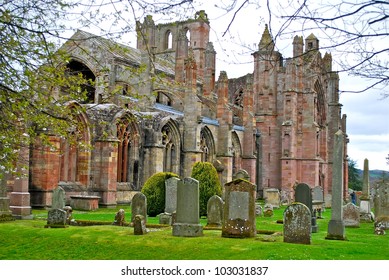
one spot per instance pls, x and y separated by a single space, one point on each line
87 87
164 99
128 152
207 145
187 34
169 40
171 143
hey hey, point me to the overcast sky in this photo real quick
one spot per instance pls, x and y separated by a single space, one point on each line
367 113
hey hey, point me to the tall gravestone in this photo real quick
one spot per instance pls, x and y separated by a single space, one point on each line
336 228
297 224
187 221
139 206
364 206
303 194
239 209
381 205
215 211
170 201
5 213
58 198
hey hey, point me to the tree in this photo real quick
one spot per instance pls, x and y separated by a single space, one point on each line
354 180
209 183
154 190
33 74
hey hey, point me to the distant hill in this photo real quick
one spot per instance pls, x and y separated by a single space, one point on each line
375 175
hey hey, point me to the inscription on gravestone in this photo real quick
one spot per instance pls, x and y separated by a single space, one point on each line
239 205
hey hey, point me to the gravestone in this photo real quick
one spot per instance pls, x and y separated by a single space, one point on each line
273 197
303 194
120 218
188 209
215 211
286 197
5 213
381 204
69 214
258 210
268 210
318 203
56 218
297 224
239 209
241 174
170 201
336 228
140 225
58 199
364 204
351 215
138 206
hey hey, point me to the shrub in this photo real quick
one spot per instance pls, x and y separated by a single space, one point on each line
209 183
154 190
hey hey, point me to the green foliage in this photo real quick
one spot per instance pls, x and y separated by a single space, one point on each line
354 180
154 190
209 183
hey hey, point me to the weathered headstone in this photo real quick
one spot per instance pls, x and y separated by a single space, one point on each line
381 204
258 210
273 197
318 203
58 199
170 201
241 174
139 225
286 197
138 206
120 218
69 214
239 209
268 210
188 209
56 218
336 228
297 224
215 211
364 205
351 215
303 194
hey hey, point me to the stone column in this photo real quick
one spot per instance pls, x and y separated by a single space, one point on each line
336 228
364 207
5 213
20 197
188 209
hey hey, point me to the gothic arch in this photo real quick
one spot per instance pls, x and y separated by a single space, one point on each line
169 98
236 151
320 107
168 44
76 67
128 149
75 156
207 145
171 141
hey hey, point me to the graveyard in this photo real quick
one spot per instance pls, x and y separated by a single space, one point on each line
98 239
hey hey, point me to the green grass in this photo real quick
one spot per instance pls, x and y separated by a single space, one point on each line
29 240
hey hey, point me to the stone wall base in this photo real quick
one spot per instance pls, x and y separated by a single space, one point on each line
187 230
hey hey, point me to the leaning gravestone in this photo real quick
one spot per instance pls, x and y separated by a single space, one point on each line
297 224
351 214
215 211
138 206
303 195
139 225
381 205
56 218
188 209
239 209
58 200
170 201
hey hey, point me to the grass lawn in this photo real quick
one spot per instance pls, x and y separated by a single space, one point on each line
29 240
